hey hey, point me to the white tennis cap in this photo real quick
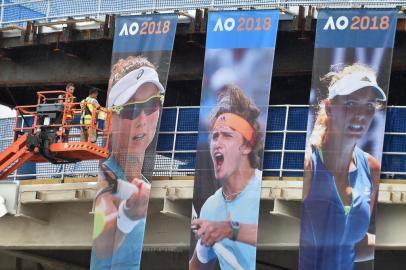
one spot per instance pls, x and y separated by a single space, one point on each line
353 82
3 209
127 86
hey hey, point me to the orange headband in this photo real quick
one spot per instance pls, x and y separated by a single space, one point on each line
237 123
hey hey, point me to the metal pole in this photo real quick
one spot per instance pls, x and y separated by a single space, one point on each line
48 10
155 6
285 128
98 8
21 126
63 172
174 141
1 13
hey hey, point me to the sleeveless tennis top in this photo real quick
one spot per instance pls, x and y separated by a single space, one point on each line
328 234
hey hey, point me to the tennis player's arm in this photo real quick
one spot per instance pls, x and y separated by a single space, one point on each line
364 250
195 264
307 178
211 232
104 242
375 169
248 234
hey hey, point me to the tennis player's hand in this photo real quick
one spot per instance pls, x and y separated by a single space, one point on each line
137 204
211 232
109 210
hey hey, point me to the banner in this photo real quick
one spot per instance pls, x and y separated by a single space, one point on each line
140 64
351 72
239 55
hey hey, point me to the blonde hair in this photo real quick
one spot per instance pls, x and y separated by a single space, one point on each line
125 66
338 71
318 135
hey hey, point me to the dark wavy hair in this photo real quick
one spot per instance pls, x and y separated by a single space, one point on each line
232 99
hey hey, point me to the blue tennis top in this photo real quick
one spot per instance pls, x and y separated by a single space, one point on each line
244 209
328 234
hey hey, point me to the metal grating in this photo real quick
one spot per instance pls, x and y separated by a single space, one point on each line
20 11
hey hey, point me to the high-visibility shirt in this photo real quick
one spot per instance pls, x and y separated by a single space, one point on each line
69 111
102 115
88 105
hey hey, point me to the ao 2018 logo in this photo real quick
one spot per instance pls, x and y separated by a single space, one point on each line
243 24
146 28
357 23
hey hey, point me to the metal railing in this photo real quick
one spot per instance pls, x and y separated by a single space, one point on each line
21 11
169 164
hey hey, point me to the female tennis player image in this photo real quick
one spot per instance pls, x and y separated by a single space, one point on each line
340 179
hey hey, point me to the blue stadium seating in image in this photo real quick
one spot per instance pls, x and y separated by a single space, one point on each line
275 159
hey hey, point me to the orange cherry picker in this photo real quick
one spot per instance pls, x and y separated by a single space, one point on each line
48 138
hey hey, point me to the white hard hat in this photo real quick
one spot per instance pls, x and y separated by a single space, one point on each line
350 83
127 86
3 209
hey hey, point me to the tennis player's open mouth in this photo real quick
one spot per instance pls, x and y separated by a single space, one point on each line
219 159
356 128
139 137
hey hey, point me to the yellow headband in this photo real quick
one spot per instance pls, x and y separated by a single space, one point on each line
237 123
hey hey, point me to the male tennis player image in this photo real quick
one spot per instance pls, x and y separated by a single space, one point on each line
228 223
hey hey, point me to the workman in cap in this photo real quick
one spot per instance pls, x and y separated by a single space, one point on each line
89 106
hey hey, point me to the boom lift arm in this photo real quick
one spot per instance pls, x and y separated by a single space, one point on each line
15 155
46 139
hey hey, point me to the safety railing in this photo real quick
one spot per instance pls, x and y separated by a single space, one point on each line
18 12
177 140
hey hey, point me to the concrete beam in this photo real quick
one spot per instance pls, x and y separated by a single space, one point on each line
88 62
44 261
53 65
69 220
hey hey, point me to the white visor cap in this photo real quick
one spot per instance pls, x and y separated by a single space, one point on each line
3 208
353 82
127 86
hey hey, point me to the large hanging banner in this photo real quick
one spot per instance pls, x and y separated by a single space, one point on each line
239 56
140 64
350 81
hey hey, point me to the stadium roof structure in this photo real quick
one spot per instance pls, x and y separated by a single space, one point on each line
18 12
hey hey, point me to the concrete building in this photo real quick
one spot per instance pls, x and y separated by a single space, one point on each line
50 219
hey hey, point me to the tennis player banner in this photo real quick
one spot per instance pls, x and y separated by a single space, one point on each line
345 131
141 57
236 84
